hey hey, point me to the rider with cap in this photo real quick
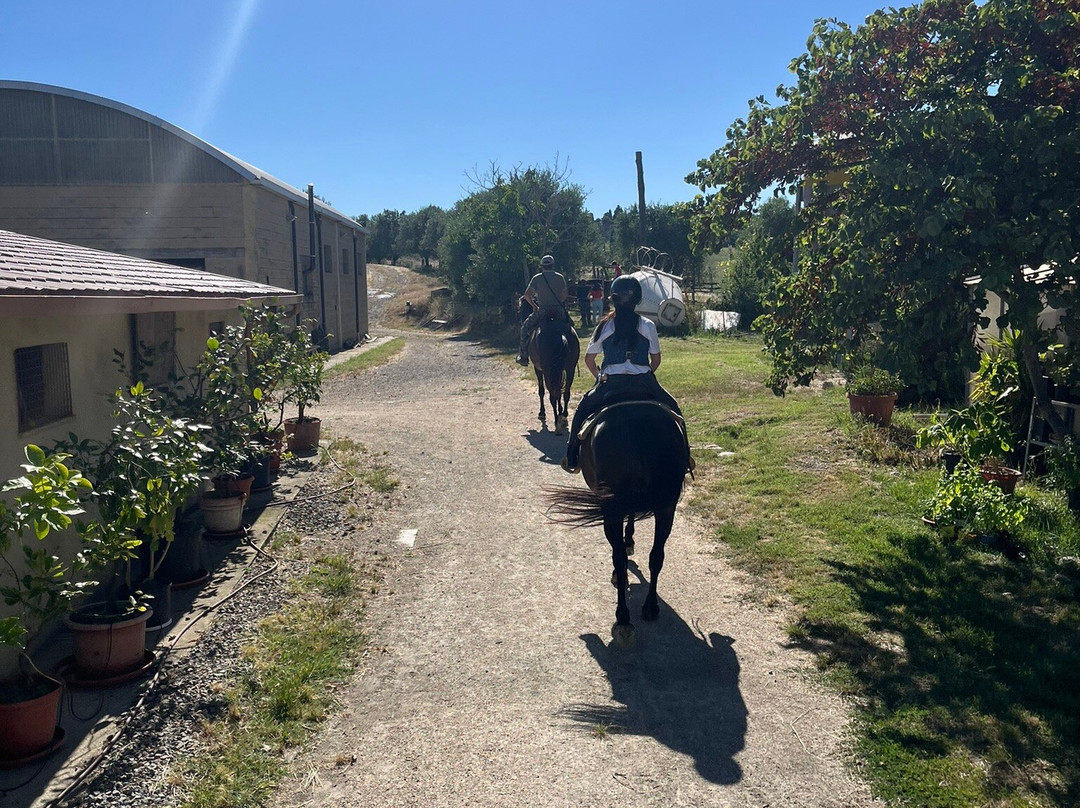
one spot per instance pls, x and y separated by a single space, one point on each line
631 354
546 293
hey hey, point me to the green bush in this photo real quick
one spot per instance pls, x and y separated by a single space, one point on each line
872 381
968 505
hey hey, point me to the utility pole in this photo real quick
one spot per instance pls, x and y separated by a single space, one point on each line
640 200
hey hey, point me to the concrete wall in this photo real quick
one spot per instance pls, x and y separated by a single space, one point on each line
235 229
995 307
159 222
90 342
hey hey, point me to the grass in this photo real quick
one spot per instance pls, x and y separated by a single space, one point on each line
379 355
283 694
962 663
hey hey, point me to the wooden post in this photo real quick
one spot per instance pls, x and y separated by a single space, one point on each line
640 199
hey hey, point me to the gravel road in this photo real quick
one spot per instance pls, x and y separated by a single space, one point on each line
489 680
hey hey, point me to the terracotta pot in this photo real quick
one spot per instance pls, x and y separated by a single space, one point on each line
104 648
235 484
222 513
303 436
878 409
30 725
1004 478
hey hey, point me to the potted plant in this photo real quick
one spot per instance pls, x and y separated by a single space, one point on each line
872 393
303 385
966 506
143 474
1063 470
40 585
948 434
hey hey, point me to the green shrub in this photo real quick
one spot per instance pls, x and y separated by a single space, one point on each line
872 381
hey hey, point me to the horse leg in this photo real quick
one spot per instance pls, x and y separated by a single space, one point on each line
554 391
623 630
540 392
628 535
650 610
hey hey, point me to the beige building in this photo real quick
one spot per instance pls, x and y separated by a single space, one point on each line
86 170
65 310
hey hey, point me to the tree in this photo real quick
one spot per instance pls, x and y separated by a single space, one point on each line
957 128
763 253
496 236
382 240
419 233
668 229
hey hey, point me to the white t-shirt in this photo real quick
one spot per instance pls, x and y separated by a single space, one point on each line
647 329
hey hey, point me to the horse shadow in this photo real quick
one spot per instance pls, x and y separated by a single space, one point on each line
677 686
552 447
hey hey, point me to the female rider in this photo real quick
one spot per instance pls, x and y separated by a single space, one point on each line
631 353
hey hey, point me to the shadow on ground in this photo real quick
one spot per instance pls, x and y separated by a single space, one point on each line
552 447
676 686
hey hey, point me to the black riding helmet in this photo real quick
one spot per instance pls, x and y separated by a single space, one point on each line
625 290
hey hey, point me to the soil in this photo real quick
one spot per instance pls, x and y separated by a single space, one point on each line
489 679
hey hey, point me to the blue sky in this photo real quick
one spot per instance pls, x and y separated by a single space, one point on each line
395 104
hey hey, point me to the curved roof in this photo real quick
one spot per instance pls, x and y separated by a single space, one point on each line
247 171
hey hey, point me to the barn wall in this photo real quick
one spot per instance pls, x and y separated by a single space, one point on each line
159 222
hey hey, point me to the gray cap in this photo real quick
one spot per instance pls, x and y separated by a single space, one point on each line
547 261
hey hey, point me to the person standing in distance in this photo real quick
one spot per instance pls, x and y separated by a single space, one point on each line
546 293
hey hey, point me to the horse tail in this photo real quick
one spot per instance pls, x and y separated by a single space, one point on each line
578 507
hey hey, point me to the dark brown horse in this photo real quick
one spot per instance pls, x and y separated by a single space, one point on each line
633 460
554 350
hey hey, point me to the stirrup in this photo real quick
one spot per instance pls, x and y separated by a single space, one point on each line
522 360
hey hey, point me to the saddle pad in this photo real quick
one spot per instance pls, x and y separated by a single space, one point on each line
590 422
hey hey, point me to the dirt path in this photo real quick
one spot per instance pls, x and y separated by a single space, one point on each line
489 682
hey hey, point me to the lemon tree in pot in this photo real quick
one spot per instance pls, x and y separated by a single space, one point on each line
151 463
303 386
872 393
39 580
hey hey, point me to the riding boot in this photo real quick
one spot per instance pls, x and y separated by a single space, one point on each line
573 449
523 352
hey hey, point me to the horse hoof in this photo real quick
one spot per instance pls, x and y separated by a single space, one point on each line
649 614
623 636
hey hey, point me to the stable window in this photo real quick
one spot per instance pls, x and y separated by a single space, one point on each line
328 258
42 384
344 261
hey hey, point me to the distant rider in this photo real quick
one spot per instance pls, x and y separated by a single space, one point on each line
546 293
631 354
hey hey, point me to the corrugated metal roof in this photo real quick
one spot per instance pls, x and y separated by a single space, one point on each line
31 266
246 170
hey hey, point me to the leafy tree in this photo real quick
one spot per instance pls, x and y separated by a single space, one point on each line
383 231
764 252
956 127
419 233
496 236
668 229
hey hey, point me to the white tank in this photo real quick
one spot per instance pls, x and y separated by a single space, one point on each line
661 297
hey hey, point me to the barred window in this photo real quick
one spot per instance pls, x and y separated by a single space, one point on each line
344 261
42 384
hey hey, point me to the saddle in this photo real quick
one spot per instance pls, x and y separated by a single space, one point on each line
590 422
